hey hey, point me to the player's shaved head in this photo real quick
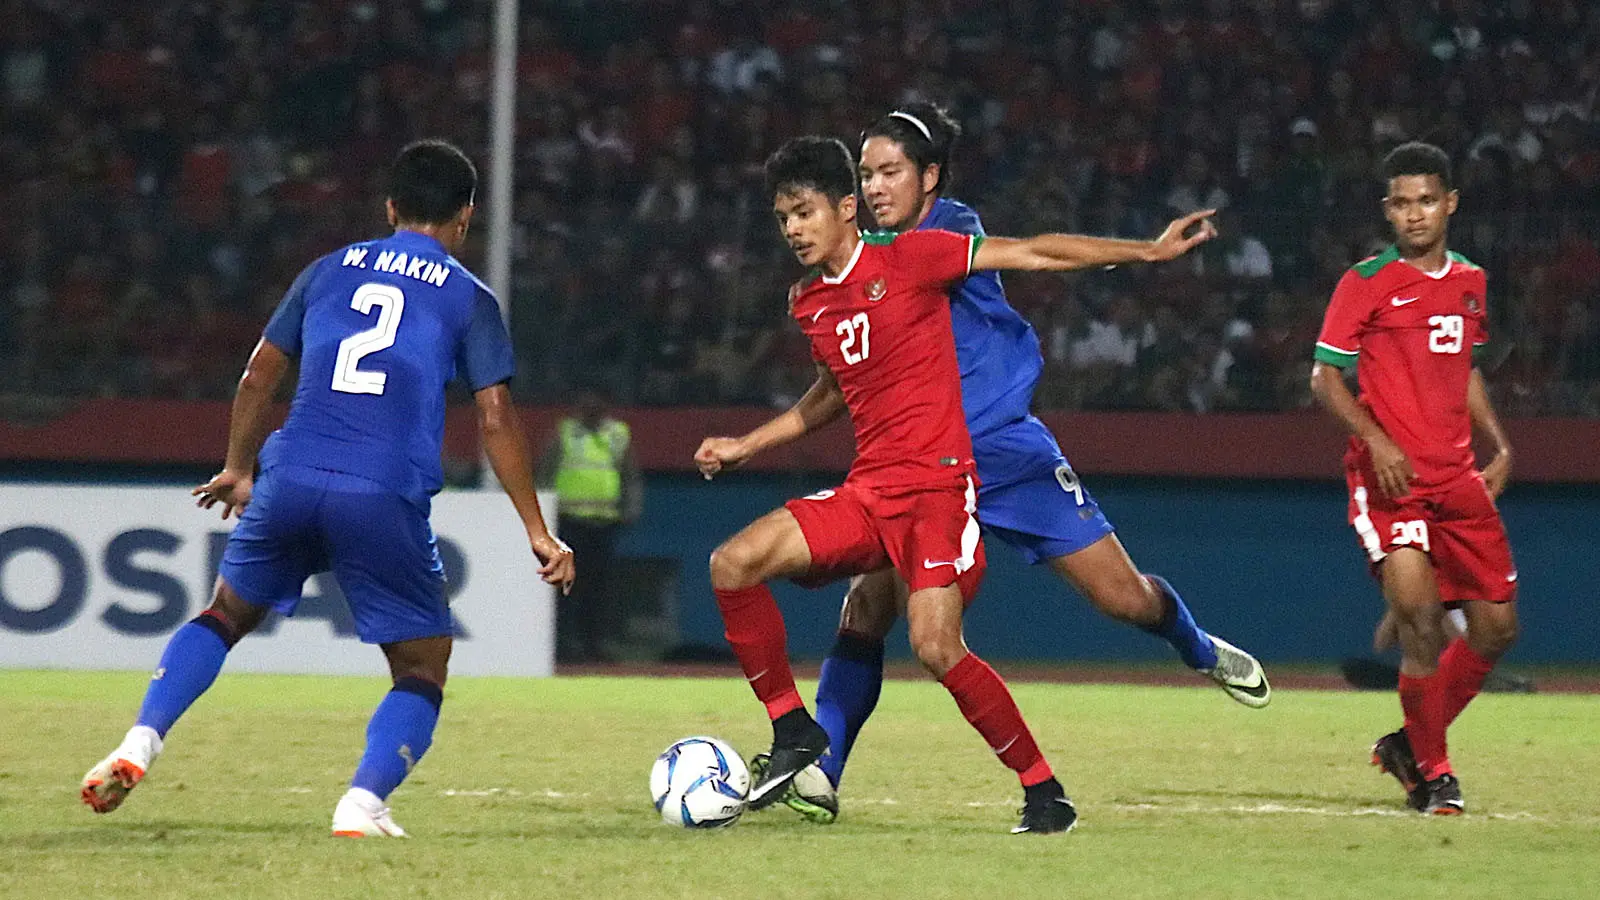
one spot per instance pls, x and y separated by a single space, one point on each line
431 181
821 164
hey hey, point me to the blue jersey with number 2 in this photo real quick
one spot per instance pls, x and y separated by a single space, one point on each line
380 328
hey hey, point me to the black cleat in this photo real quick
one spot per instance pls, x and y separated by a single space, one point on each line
797 742
1392 753
1441 797
1046 810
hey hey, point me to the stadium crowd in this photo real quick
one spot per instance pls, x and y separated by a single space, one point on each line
172 165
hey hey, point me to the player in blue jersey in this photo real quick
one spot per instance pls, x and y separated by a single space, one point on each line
1029 495
345 485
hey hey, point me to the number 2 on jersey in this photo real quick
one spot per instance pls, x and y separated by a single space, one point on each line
391 303
857 324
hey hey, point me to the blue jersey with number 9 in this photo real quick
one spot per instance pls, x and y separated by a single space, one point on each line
379 329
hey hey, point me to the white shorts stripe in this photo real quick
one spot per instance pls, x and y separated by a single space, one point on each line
1364 527
971 533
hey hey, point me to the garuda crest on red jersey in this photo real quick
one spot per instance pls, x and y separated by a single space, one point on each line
1473 305
876 288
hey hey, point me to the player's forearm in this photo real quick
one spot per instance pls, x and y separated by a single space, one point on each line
1068 252
822 403
507 449
249 421
1327 385
1481 409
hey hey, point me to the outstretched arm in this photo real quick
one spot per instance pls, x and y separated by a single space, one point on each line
1498 471
1388 460
822 403
1066 252
507 449
247 430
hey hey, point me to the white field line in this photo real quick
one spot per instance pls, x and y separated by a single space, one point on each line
1219 809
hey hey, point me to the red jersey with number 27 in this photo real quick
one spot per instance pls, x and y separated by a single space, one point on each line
1413 333
883 328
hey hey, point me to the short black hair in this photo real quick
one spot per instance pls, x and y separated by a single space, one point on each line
1418 158
823 164
431 181
922 148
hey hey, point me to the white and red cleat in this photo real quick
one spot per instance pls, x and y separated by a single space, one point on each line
107 784
361 814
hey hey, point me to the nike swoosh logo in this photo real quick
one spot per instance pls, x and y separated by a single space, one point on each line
930 564
752 678
1257 690
1510 578
1007 746
818 314
1399 302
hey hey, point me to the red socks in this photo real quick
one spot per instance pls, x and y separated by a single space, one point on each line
983 698
1432 703
1463 672
754 627
1423 700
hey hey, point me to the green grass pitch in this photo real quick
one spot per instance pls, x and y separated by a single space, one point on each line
538 788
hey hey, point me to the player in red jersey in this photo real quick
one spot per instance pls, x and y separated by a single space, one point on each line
1414 316
878 317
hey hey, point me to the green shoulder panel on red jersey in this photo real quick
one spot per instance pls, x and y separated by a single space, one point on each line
1370 267
972 252
879 238
1333 356
1456 257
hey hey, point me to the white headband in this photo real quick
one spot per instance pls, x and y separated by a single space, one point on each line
897 114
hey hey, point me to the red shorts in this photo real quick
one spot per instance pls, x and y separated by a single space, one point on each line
929 533
1456 524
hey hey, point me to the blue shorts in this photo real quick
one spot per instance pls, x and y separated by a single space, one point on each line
380 547
1029 496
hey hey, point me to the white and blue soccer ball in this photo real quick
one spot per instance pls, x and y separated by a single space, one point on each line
700 782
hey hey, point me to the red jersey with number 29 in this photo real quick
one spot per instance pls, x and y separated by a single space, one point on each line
883 328
1414 334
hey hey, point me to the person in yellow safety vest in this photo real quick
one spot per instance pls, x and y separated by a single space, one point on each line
591 466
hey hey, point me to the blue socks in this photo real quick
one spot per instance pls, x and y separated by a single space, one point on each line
188 666
852 677
401 731
1177 628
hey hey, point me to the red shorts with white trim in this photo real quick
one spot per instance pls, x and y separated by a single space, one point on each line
1456 524
928 533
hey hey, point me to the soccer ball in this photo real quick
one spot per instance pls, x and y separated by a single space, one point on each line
699 782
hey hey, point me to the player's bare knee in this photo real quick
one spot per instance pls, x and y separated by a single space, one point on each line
232 610
734 566
1491 640
427 659
938 649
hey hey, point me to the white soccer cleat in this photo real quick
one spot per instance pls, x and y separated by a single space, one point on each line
361 814
1238 673
107 784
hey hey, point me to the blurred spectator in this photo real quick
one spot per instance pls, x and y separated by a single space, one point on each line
173 166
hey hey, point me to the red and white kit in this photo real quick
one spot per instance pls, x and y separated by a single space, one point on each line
883 328
1413 333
